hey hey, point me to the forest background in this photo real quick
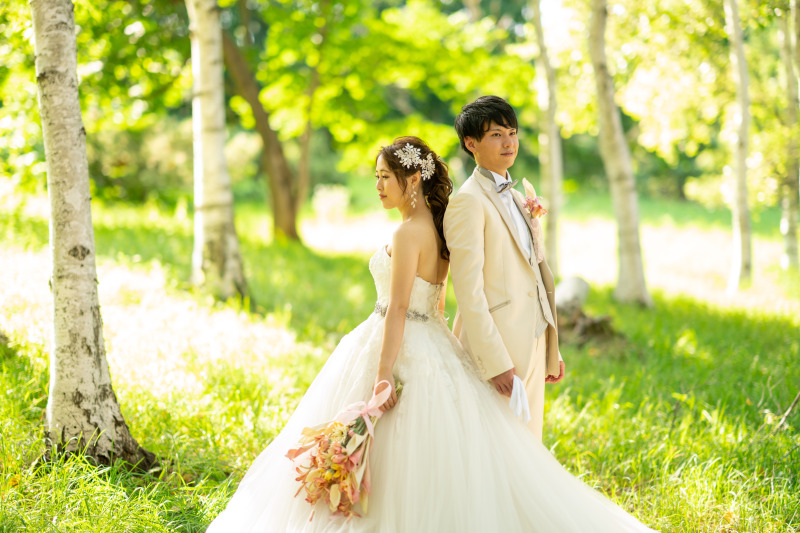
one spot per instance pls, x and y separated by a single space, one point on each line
694 403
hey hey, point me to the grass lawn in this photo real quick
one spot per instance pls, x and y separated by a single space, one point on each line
676 420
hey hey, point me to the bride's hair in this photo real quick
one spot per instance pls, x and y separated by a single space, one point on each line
436 189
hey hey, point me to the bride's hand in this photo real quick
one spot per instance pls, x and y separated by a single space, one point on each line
384 376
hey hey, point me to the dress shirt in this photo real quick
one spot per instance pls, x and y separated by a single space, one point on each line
519 222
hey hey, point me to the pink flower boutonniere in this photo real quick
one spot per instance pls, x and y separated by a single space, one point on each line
533 203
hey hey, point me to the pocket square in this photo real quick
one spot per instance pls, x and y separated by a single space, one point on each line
519 401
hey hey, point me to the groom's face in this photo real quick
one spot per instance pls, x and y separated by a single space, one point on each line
497 149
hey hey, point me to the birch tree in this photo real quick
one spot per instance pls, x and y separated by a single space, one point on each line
790 195
616 156
742 263
550 155
795 9
82 410
216 261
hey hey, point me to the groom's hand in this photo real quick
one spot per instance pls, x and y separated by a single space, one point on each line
504 383
553 379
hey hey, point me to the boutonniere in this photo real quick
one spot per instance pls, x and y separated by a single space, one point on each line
533 203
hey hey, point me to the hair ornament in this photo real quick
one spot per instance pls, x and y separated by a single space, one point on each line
428 167
410 157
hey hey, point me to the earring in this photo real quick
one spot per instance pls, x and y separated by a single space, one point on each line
413 198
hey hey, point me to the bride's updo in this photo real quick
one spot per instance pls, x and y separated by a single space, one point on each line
436 189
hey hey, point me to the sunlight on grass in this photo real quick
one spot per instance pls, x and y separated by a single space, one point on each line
676 420
682 432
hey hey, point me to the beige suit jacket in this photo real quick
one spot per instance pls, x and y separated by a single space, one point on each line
496 284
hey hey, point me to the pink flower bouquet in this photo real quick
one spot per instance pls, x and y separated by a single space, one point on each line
333 458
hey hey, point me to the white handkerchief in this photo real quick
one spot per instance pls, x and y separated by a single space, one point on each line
519 401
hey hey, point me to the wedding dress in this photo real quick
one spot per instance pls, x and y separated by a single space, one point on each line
449 457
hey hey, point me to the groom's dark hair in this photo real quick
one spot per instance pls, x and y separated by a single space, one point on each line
474 119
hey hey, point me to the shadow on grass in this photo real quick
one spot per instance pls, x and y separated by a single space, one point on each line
313 294
321 297
741 361
25 385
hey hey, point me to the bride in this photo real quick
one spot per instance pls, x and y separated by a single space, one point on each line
449 455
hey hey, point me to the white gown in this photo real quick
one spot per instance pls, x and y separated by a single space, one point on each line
449 457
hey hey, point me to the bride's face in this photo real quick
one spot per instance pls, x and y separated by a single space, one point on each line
389 190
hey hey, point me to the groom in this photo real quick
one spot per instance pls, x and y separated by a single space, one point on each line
506 316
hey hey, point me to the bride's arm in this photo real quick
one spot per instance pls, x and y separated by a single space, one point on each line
443 297
405 258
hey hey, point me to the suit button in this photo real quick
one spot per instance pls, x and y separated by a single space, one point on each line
532 294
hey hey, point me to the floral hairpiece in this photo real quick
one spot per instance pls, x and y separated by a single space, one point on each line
410 157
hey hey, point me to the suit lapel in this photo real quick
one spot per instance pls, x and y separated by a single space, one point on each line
488 185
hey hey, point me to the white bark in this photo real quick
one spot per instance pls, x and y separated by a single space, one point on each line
791 186
796 16
616 156
550 155
216 261
82 409
742 263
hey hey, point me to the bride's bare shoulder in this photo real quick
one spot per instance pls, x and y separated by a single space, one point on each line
411 235
405 234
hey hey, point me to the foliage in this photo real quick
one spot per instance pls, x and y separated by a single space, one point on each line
132 67
372 86
134 165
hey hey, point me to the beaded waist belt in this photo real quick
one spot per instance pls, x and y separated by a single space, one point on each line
410 315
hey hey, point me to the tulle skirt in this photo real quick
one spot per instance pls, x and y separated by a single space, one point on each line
450 457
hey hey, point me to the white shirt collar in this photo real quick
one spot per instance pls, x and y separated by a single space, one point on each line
500 179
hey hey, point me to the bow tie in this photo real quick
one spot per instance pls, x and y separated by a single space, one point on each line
503 187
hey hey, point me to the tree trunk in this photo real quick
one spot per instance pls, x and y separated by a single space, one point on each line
273 159
796 12
82 410
549 144
304 168
790 193
216 261
475 11
742 265
616 156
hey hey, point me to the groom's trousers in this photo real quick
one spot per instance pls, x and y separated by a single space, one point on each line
534 386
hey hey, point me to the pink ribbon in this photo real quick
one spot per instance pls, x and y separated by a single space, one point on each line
366 410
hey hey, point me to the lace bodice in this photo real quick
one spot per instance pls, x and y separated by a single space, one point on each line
424 299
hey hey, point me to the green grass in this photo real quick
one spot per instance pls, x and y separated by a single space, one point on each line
286 279
679 417
676 420
661 211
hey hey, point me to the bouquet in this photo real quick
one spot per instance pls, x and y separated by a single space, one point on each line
333 458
